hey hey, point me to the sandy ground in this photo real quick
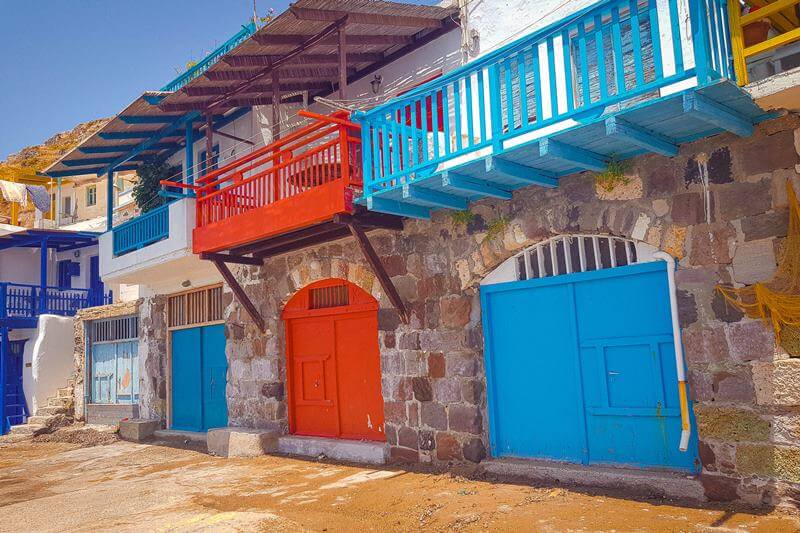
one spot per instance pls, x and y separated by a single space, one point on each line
52 486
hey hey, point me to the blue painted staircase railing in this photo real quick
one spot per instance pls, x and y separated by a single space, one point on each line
614 56
141 231
22 301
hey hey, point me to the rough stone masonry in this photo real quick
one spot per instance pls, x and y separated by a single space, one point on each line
746 392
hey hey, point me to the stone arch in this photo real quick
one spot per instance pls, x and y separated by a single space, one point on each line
319 294
604 250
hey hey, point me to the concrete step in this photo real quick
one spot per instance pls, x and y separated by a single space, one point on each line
59 402
180 436
376 453
27 429
40 420
66 392
655 483
50 411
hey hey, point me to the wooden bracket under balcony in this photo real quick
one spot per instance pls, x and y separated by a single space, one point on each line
238 291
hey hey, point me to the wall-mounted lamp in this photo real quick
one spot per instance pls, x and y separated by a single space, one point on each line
376 84
186 283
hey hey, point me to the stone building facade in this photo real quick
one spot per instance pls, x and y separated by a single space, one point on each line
719 207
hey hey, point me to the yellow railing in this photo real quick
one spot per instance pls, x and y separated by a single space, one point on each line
782 16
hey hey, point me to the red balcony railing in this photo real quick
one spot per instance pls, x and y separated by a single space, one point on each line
302 179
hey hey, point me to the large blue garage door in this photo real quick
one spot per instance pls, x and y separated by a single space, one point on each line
581 368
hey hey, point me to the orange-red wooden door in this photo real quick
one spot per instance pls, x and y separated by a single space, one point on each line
334 376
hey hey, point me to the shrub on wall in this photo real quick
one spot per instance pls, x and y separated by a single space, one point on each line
145 191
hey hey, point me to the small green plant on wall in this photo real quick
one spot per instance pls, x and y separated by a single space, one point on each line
462 218
613 175
495 229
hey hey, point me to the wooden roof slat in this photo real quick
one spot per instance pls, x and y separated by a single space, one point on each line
377 19
241 101
305 59
217 90
269 39
284 73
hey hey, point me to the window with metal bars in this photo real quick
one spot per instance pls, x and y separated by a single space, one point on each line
324 297
574 253
198 306
115 329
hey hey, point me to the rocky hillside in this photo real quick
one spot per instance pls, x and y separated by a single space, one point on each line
36 158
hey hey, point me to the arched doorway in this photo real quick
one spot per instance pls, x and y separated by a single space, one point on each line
581 359
333 362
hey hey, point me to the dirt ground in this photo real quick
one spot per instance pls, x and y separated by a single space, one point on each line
72 486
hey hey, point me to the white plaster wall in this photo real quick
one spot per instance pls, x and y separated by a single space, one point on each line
20 265
48 360
163 267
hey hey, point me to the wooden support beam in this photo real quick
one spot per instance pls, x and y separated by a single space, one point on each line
238 291
257 89
124 148
320 237
125 135
329 30
470 185
401 209
309 73
270 39
379 271
276 106
647 139
433 198
257 248
234 137
242 101
342 52
305 59
716 114
369 220
520 172
329 15
209 141
578 156
149 119
229 258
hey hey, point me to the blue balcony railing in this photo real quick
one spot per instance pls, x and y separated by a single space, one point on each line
612 56
20 301
141 231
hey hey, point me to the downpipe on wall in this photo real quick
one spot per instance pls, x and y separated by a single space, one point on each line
686 429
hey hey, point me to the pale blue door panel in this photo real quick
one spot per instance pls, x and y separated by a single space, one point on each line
215 370
187 408
534 398
104 373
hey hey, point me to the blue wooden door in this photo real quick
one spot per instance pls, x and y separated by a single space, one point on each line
214 376
581 368
199 370
187 408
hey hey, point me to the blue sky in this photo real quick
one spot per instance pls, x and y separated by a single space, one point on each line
69 61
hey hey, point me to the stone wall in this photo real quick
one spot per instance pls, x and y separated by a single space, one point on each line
746 392
81 317
153 358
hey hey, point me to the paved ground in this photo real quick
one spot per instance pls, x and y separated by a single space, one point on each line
65 487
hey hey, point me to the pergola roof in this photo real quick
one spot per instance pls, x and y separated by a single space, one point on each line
299 47
58 240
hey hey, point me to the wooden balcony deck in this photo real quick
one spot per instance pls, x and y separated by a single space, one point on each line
302 180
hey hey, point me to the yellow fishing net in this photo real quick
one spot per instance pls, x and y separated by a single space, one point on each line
777 301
